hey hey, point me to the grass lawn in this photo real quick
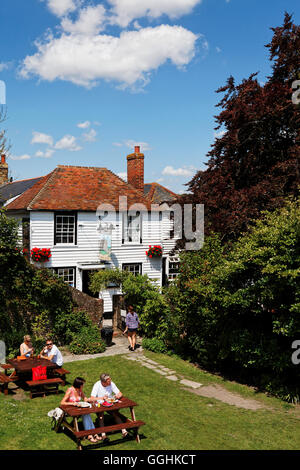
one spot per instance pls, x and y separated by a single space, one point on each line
175 419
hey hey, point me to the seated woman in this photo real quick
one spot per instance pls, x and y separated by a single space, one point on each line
72 396
26 348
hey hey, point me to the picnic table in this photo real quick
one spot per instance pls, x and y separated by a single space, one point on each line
25 366
74 413
23 370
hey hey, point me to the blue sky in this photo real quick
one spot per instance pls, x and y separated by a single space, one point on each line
86 80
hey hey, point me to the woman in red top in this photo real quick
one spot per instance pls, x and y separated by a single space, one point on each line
72 396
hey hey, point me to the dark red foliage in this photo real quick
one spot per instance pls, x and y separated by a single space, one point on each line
255 164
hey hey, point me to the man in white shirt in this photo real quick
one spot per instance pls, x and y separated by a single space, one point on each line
52 353
102 390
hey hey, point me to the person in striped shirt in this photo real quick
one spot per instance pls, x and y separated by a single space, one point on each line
132 324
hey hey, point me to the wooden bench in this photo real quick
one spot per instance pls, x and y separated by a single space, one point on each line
62 373
109 429
6 368
5 380
37 387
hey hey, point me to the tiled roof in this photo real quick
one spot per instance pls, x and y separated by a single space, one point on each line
158 193
13 189
77 188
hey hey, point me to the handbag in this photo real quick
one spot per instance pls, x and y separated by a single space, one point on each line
39 373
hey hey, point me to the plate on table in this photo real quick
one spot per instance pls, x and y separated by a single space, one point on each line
84 404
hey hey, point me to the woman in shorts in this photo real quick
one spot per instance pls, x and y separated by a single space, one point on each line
132 324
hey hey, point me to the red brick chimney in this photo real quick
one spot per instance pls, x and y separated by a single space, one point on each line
3 170
135 169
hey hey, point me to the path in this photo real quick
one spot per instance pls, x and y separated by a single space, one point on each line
216 391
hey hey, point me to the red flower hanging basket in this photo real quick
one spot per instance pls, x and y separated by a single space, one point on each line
40 254
154 251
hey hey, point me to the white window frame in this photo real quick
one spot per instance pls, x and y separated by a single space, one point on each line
172 276
64 230
59 273
125 265
132 229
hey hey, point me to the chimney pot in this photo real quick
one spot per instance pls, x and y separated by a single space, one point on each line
137 149
3 158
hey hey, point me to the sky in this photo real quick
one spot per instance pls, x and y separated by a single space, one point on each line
87 80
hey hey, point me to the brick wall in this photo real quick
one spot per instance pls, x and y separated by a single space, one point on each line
93 307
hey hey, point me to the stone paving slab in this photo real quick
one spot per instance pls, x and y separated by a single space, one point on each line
169 371
149 366
190 383
172 377
161 372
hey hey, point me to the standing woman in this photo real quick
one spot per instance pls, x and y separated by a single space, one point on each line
72 396
132 324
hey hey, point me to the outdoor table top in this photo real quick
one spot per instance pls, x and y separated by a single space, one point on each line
27 364
75 411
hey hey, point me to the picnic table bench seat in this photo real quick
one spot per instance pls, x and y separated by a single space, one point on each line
5 380
62 373
37 387
107 429
6 366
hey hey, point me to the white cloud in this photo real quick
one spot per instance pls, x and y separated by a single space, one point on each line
40 138
127 10
123 175
169 170
144 146
90 21
62 7
21 157
4 66
127 60
90 136
68 142
219 134
47 154
218 49
84 125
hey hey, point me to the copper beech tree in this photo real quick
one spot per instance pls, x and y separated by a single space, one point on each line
254 165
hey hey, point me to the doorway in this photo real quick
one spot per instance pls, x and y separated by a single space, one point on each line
85 282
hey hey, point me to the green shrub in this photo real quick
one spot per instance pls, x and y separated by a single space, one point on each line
154 344
235 308
87 341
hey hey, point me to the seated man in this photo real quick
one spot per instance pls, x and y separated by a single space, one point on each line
52 353
102 390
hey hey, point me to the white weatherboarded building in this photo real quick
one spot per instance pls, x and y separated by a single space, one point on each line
91 219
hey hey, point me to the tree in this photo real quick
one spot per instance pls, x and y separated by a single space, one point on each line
4 144
255 164
237 306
